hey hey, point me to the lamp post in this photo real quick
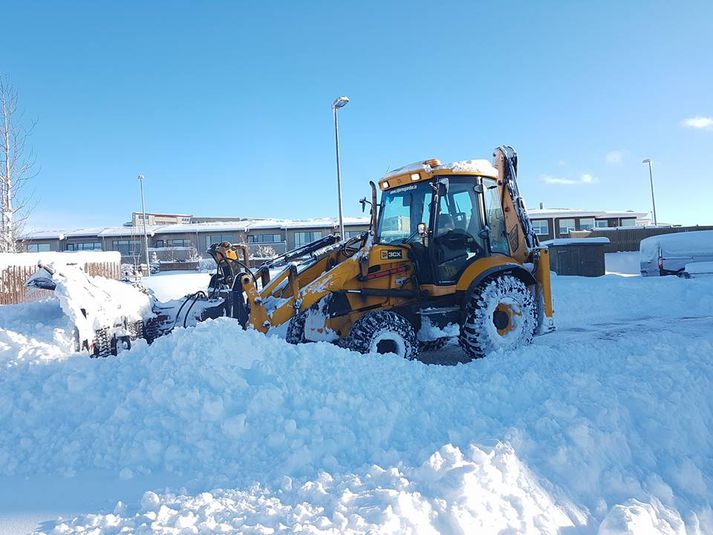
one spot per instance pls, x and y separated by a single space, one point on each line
146 236
339 103
651 179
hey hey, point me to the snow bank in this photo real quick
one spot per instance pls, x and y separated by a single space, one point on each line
93 303
479 492
169 285
613 407
580 302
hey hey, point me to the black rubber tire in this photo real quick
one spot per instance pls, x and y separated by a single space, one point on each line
384 332
479 334
296 329
432 345
102 343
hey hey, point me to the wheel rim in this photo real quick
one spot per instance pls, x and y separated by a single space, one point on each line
505 317
388 342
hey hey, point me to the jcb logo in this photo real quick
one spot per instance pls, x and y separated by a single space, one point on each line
392 254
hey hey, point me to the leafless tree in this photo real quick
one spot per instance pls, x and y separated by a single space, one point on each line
16 168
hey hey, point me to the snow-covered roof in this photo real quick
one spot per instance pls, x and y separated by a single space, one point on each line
476 167
192 228
539 213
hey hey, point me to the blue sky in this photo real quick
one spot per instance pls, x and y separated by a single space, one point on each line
225 106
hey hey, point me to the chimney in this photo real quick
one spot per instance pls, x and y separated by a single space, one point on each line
542 206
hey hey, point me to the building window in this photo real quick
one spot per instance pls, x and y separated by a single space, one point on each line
179 243
217 238
601 223
541 226
303 238
264 238
354 233
86 246
586 223
566 226
38 247
628 222
128 247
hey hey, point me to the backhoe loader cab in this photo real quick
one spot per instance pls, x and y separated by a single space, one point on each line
451 252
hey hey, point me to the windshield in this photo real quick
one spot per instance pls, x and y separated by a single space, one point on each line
402 209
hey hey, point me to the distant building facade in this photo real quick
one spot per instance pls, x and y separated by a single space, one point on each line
554 223
137 219
267 238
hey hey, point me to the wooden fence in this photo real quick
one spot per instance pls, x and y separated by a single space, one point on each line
628 239
13 279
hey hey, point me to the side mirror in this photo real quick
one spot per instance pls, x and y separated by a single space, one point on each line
363 203
422 230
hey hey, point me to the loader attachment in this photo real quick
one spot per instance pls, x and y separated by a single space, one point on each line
108 315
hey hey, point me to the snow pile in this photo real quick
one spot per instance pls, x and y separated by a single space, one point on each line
481 492
34 332
173 285
92 303
609 419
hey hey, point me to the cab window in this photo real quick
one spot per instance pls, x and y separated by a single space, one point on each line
494 217
402 209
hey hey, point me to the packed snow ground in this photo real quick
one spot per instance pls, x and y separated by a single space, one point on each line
605 425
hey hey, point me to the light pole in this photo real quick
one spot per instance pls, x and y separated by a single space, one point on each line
651 179
143 218
339 103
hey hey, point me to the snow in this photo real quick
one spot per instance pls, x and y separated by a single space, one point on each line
92 303
682 244
605 424
699 268
168 285
622 263
477 167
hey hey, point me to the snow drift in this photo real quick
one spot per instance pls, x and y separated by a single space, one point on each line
609 420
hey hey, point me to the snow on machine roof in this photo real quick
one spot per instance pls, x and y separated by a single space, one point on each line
425 170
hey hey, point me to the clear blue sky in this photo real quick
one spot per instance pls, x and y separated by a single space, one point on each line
225 106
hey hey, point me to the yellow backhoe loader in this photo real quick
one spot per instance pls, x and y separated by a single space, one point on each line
450 251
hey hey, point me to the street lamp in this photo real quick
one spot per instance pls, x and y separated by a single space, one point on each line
146 236
339 103
651 179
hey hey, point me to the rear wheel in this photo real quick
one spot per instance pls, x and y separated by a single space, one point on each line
383 332
501 314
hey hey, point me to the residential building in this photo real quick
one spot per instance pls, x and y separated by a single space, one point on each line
553 223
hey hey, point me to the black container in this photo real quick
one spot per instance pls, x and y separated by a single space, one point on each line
577 256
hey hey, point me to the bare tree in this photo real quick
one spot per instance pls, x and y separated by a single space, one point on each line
16 164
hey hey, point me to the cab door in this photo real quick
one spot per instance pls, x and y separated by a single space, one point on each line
459 230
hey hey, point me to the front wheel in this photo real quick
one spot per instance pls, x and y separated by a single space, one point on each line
500 314
383 332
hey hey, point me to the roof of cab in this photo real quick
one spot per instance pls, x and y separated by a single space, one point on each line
425 170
